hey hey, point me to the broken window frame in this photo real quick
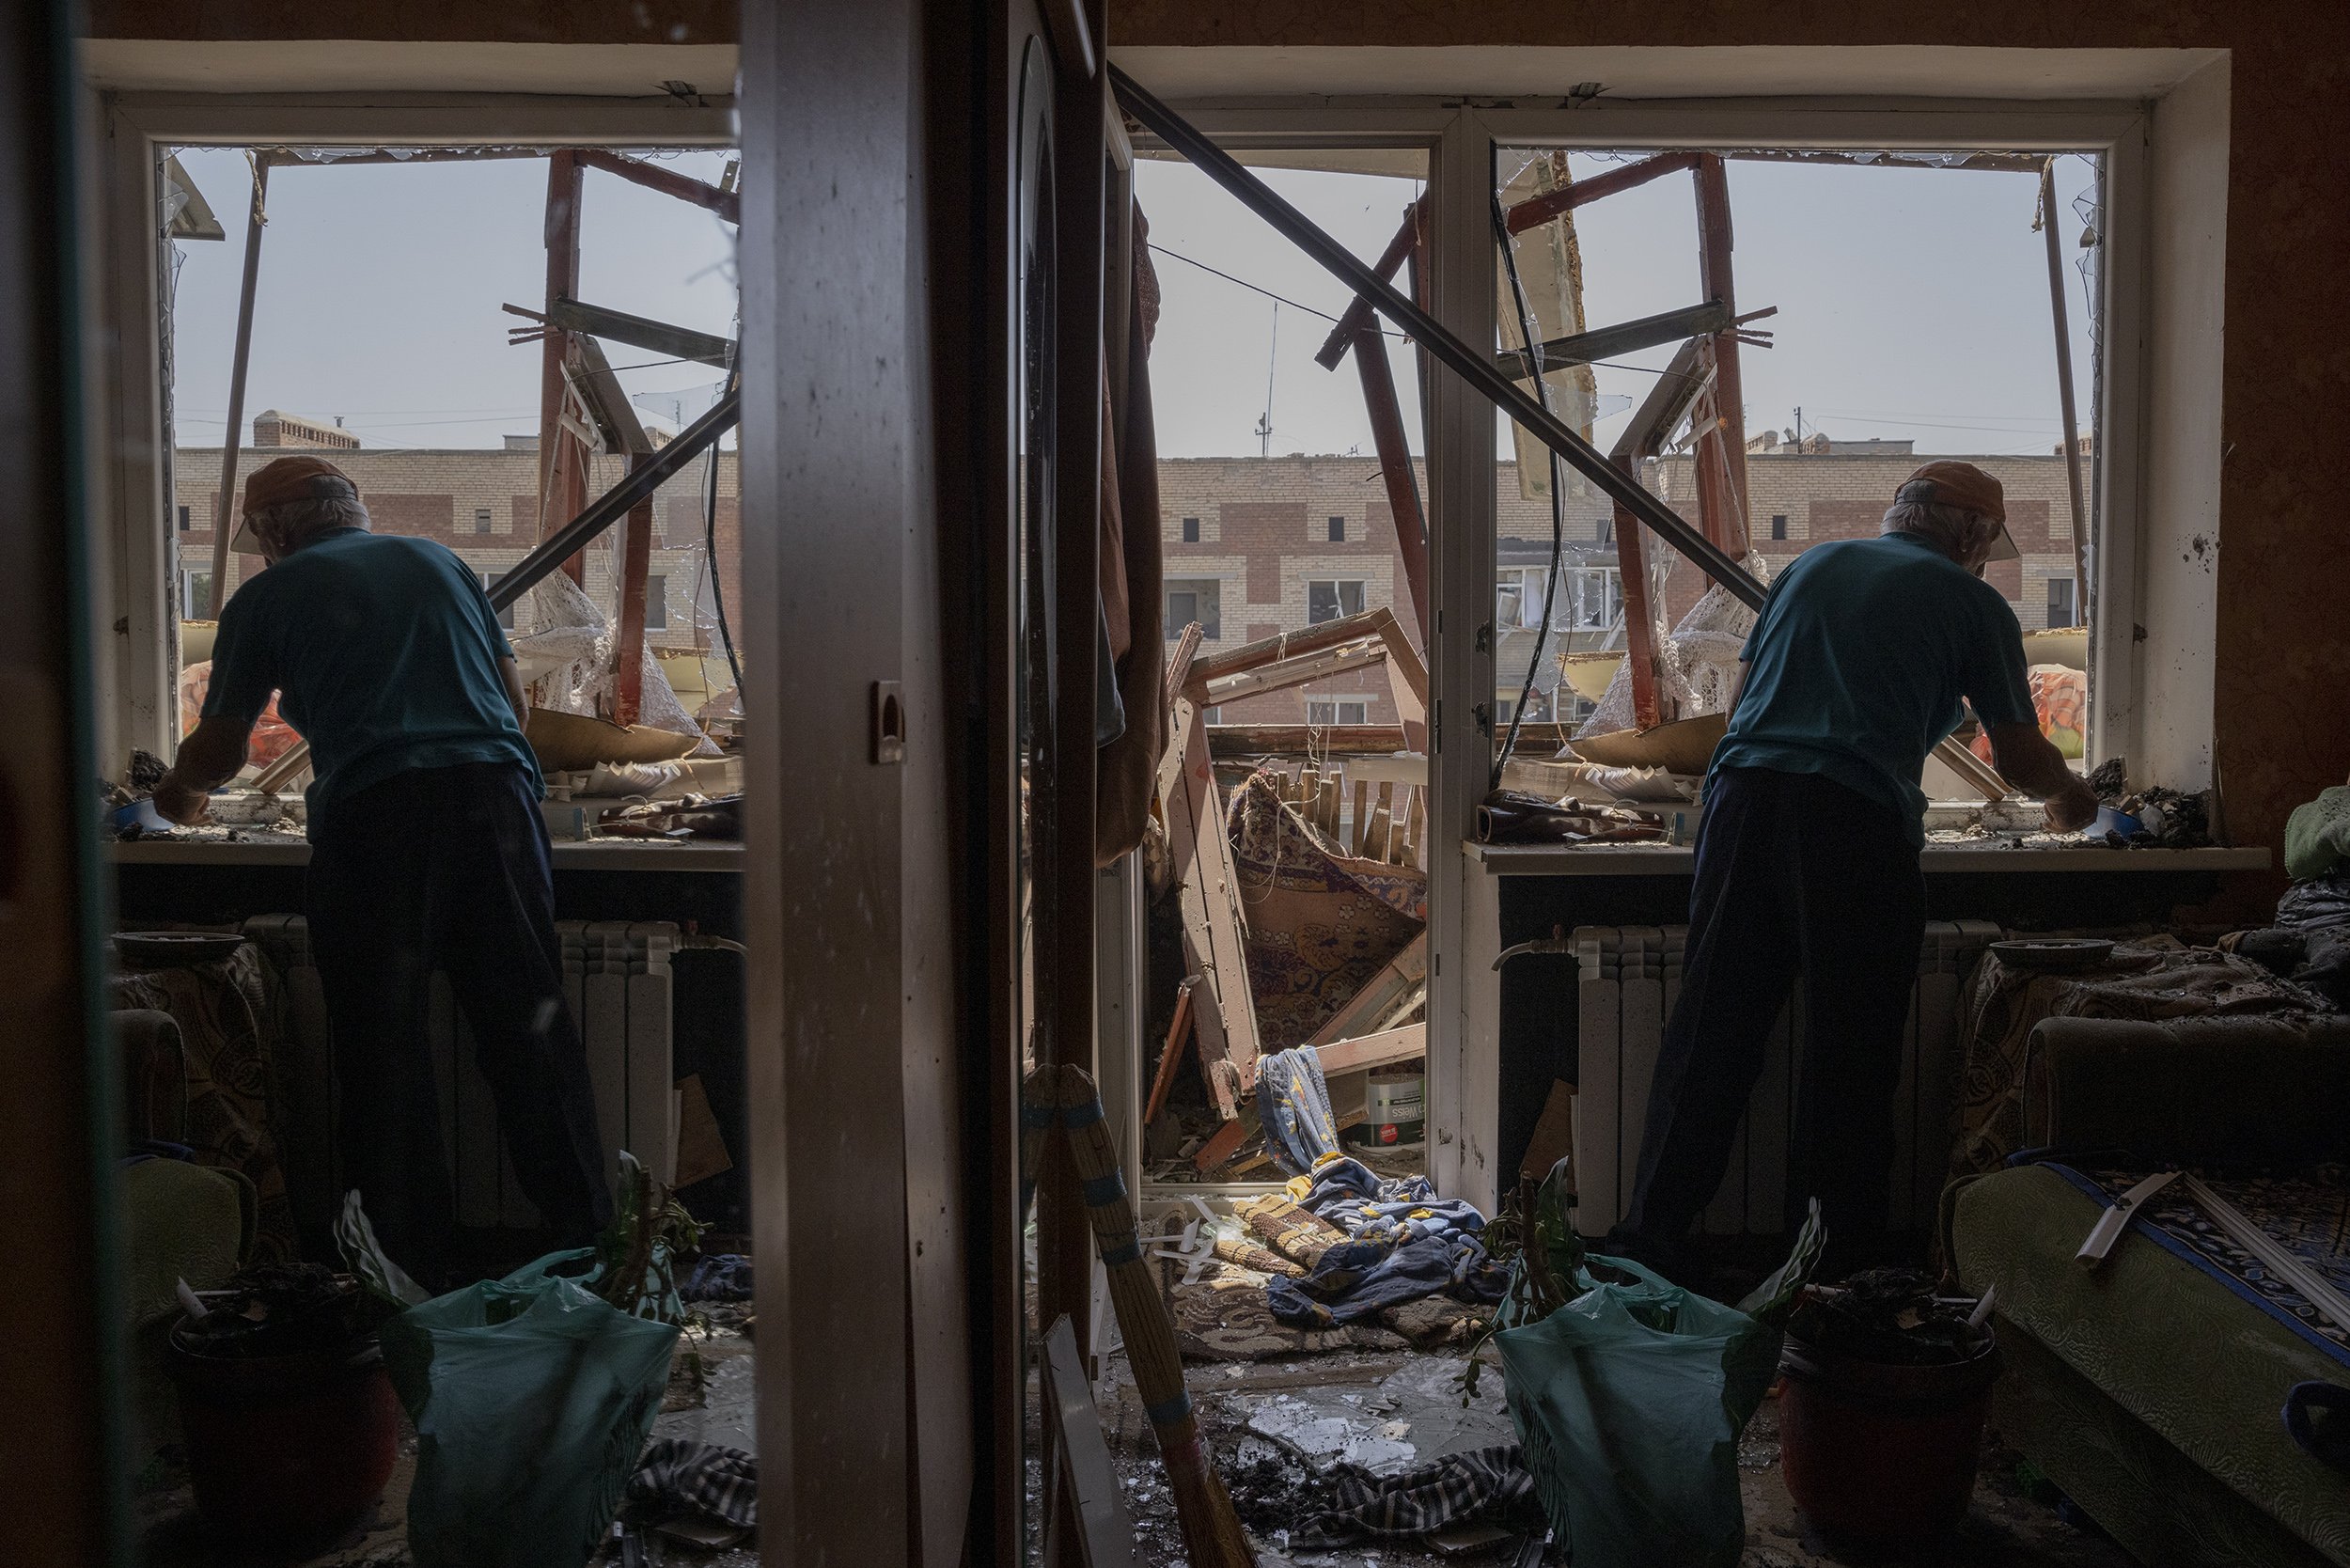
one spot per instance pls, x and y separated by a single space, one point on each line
1461 432
135 542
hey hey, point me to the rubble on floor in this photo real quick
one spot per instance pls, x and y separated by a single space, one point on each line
1279 1429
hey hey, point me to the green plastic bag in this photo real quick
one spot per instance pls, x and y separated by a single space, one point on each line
531 1398
1628 1402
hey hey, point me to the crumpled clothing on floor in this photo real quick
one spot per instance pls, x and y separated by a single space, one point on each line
1293 1105
721 1483
1457 1489
1403 1242
720 1276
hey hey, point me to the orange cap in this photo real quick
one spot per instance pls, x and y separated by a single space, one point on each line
289 479
1968 487
296 478
1963 485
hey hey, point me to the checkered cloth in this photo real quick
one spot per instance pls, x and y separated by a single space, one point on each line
1456 1489
720 1483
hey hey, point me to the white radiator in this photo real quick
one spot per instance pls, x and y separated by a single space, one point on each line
1630 980
618 984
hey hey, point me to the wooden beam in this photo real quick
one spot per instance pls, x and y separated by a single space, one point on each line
1374 1050
1359 313
640 332
1624 337
1377 994
1289 644
1536 211
225 515
1224 1013
562 476
727 204
1171 1054
607 402
1300 740
1395 470
628 646
1296 672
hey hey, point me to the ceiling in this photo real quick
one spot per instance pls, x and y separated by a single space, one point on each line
315 65
1538 76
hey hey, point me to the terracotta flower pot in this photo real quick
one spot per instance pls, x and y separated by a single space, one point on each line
1881 1456
287 1449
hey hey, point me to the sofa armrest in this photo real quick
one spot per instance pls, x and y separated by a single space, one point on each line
2191 1090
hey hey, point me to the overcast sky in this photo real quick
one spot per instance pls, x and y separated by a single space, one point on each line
1911 301
381 287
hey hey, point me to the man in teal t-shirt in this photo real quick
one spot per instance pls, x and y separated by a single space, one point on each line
1808 852
428 851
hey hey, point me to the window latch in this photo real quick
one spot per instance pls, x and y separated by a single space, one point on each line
889 724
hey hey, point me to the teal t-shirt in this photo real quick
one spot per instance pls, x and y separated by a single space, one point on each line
1856 666
383 651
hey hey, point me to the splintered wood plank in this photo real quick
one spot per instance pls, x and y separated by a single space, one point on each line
1599 1076
1224 1011
1359 829
1171 1054
1384 990
1374 1050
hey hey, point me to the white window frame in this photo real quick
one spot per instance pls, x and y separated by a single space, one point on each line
2164 146
1168 590
1335 702
135 570
1338 586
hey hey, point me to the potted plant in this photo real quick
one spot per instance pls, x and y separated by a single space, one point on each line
290 1425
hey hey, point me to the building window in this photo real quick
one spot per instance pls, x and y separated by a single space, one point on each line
1778 524
1191 530
1193 599
481 520
1517 598
195 595
1326 599
506 616
656 604
1338 710
183 520
2061 603
1212 716
1337 530
1593 600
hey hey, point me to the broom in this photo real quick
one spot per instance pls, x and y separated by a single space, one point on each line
1211 1534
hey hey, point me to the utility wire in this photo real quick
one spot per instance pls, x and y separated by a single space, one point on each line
1558 501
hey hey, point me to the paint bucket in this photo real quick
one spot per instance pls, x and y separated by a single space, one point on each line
1395 1101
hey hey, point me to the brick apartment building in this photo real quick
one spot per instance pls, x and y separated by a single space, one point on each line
1253 545
1256 546
483 503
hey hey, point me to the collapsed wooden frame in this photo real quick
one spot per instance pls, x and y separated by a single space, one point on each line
1216 1003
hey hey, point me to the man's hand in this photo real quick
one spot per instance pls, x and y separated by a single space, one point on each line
2027 760
181 802
2071 808
208 758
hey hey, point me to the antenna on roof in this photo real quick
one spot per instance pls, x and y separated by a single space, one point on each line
1264 426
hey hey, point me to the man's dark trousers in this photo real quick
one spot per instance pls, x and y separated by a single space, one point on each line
1793 871
447 868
